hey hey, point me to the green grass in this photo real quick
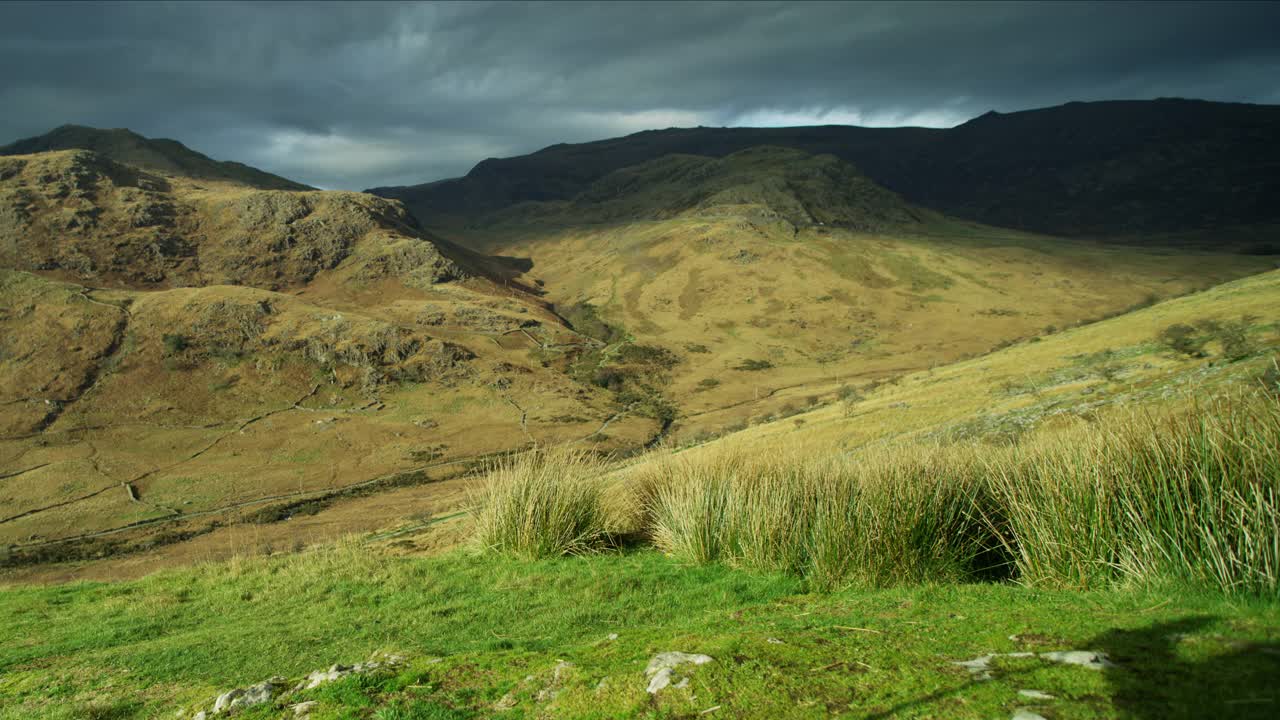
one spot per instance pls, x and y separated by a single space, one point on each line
145 648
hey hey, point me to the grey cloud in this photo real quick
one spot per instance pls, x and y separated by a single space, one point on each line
365 94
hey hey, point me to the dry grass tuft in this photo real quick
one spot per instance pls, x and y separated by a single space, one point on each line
547 503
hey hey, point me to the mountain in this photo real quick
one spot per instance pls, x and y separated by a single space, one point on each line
762 183
774 276
179 354
1101 169
166 157
186 360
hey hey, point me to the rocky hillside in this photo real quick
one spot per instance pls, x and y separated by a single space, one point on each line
165 157
180 354
83 216
1096 169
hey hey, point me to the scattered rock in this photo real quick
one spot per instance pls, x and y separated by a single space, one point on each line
613 636
320 677
276 687
980 667
1035 695
774 641
553 689
259 694
662 667
1084 658
1025 714
1035 639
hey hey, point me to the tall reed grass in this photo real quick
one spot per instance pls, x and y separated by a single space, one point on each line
881 519
1191 496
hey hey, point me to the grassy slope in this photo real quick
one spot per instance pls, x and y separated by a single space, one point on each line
726 272
226 307
1057 379
142 648
829 305
180 424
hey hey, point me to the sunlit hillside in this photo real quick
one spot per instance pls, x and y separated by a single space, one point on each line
775 277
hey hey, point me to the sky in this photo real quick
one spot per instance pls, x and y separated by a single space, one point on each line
358 95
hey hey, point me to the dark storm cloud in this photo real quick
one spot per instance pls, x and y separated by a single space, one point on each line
368 94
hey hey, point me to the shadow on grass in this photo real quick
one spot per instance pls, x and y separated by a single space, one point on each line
1151 679
113 711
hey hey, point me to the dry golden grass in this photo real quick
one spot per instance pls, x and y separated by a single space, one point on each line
827 306
1134 466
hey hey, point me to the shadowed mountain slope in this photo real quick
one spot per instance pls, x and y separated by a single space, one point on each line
764 183
1096 169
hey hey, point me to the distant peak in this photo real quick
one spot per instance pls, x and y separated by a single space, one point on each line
158 155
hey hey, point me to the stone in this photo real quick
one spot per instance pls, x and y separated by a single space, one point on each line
335 672
1025 714
662 667
980 667
320 677
553 689
613 636
259 694
1084 658
1035 695
303 709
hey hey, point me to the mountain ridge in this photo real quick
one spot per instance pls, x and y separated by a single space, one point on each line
1090 169
162 155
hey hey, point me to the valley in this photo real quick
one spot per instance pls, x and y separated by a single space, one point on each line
194 354
890 421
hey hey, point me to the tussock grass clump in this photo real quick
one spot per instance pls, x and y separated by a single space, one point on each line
1192 497
545 503
880 520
